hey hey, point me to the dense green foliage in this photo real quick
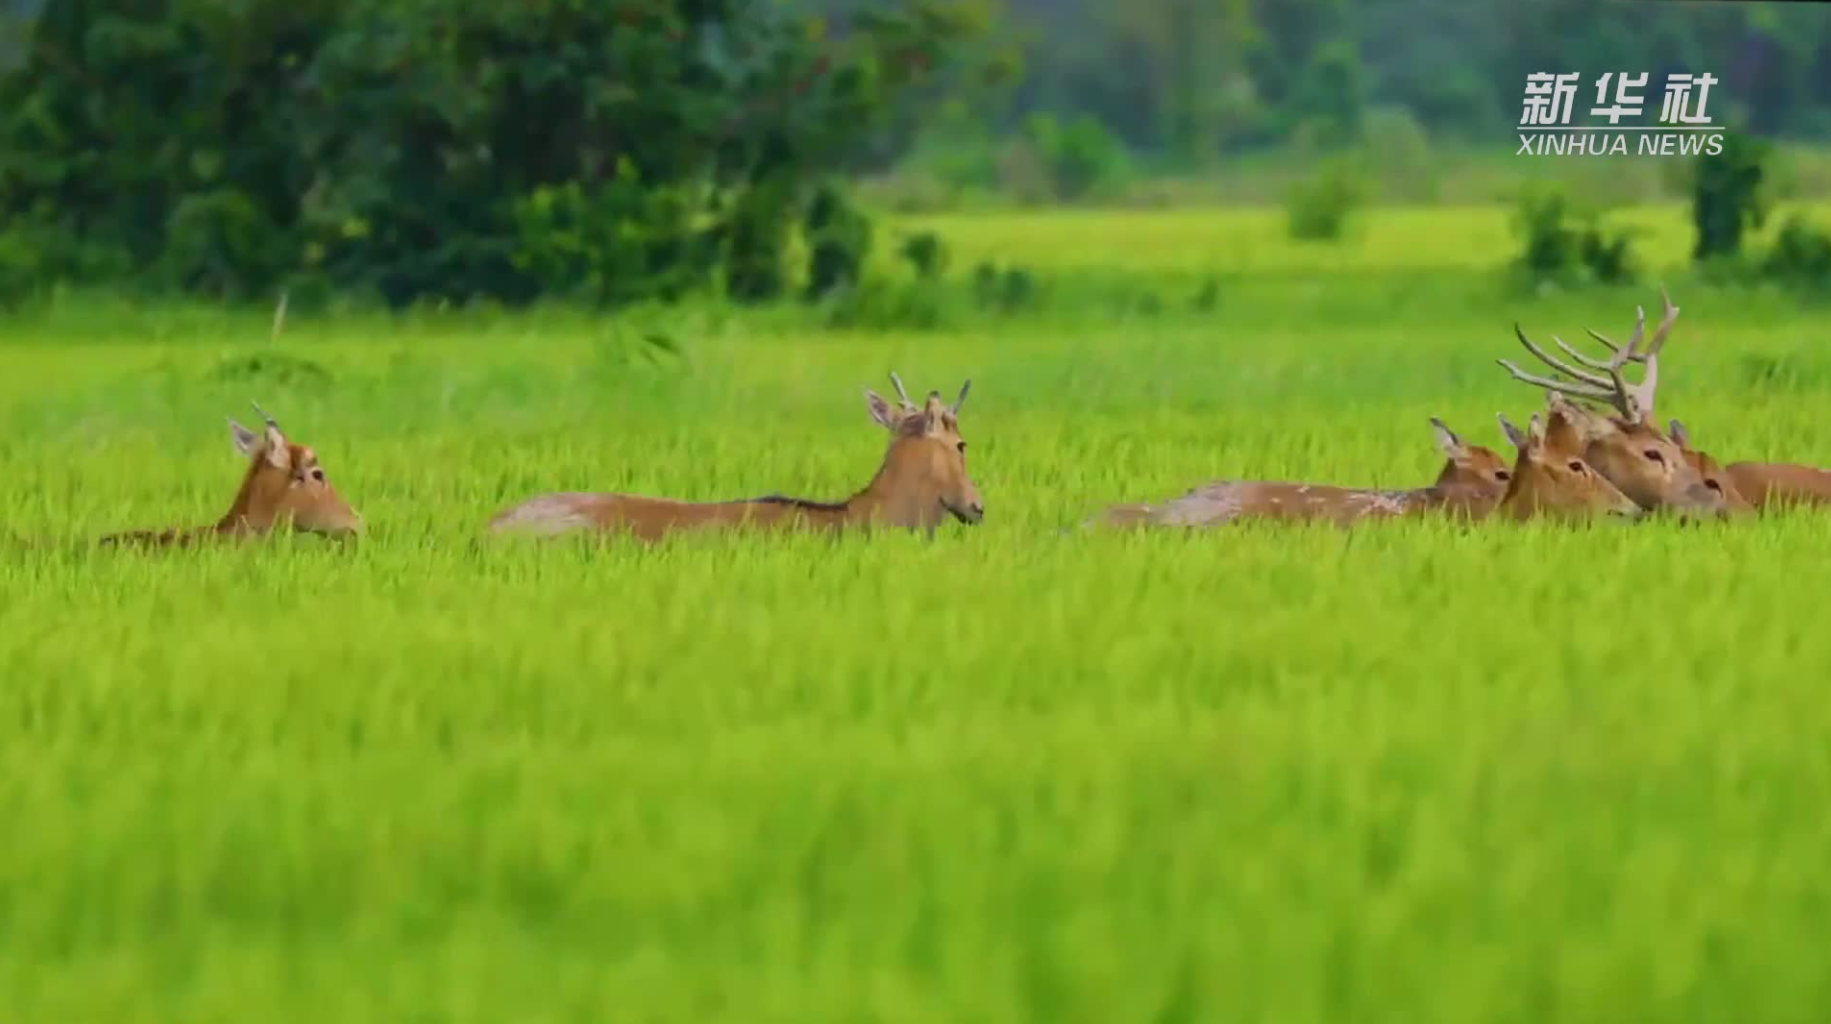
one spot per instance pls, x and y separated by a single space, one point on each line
1191 79
1409 774
447 149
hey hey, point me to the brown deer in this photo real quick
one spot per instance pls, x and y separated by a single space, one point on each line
921 482
1626 447
284 487
1761 485
1471 482
1551 479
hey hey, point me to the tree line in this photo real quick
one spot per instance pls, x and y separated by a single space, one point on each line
450 149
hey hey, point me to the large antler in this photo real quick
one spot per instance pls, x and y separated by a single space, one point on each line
1633 401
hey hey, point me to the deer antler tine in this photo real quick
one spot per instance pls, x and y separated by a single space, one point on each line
1599 336
1590 361
262 413
1668 314
1626 354
900 393
1566 386
1554 362
1571 371
964 388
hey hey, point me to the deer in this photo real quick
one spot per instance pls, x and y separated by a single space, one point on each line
1469 485
921 483
1551 478
1759 485
1626 446
284 487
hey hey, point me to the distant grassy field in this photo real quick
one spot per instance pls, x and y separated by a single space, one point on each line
1411 773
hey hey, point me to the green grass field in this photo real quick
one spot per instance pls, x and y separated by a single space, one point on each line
1409 773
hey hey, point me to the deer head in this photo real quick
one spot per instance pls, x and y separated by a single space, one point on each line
1711 470
1625 446
924 476
1468 466
286 484
1551 479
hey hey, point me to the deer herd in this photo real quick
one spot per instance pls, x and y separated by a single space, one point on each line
1595 450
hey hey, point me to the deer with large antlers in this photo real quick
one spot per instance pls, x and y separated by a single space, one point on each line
921 482
284 487
1469 485
1626 447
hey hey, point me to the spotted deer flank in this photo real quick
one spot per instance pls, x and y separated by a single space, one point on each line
1469 485
921 483
1624 444
285 487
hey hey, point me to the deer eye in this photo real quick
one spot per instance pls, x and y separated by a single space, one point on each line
317 474
1713 485
1576 465
1653 453
962 447
1501 474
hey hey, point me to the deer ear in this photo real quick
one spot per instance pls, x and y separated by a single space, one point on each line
880 410
1447 442
1514 435
1680 436
277 451
246 441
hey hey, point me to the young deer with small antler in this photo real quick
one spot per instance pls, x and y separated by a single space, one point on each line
1551 479
921 482
284 486
1627 447
1471 482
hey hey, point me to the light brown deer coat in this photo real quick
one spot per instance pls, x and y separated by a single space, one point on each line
921 482
1470 483
284 487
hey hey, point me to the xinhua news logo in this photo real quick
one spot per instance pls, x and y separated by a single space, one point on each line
1684 127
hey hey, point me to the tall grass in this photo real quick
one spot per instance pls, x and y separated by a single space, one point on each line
1411 772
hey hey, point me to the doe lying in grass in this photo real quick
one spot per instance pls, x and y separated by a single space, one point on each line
1627 447
1469 485
284 486
1550 478
1762 485
921 482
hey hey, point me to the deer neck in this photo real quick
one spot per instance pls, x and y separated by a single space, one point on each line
243 517
1473 500
896 496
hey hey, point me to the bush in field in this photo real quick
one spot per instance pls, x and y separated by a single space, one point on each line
1568 244
1800 255
1729 196
1080 157
444 148
1319 208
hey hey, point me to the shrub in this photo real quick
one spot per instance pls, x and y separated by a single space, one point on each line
1800 255
1081 158
1728 195
1319 209
1567 244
